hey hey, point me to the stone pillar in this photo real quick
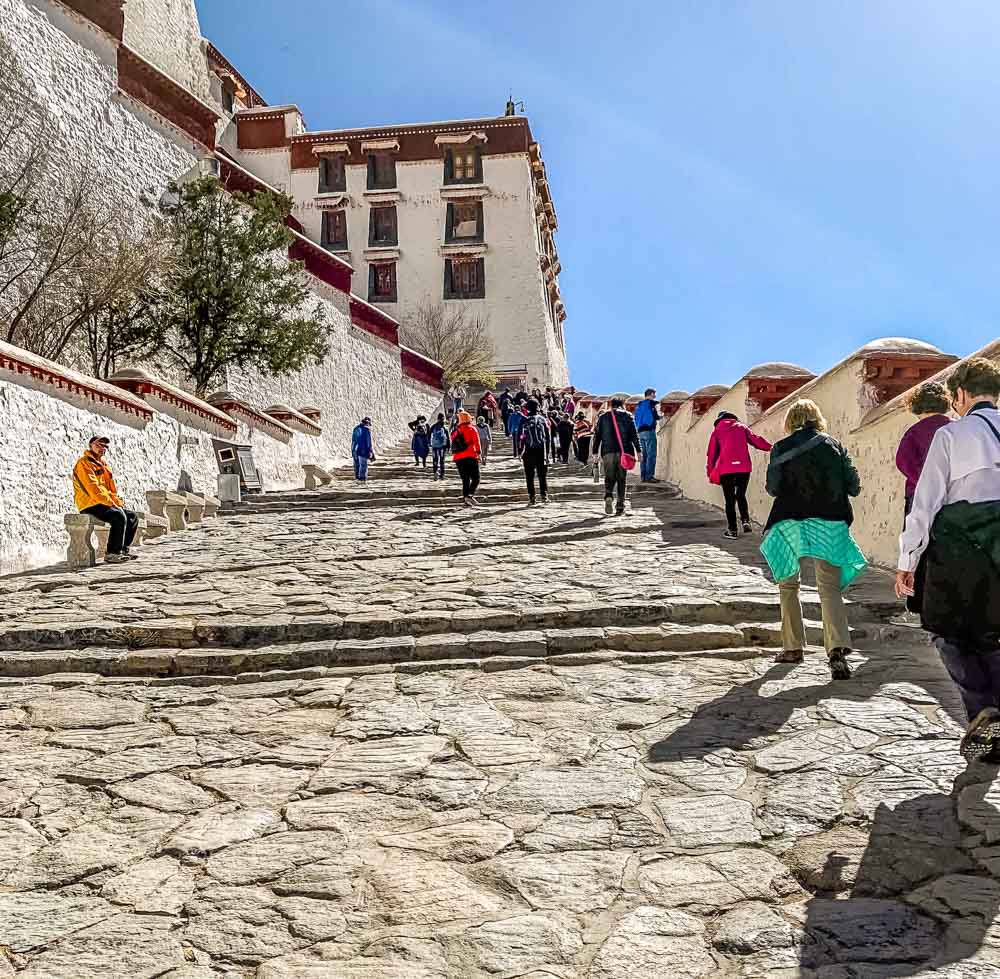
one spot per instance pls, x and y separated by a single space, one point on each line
80 553
102 532
195 508
311 481
169 505
211 506
140 531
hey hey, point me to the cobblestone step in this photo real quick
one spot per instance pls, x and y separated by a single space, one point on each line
750 614
665 640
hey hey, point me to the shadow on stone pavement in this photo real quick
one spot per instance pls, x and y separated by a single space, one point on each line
921 894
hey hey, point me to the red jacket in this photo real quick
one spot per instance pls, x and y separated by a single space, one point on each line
472 447
729 447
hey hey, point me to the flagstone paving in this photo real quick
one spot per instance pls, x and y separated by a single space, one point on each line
362 732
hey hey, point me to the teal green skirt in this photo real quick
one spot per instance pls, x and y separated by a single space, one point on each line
786 543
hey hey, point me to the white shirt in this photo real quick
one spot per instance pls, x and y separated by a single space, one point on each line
963 465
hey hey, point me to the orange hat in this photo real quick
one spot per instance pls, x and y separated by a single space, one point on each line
464 418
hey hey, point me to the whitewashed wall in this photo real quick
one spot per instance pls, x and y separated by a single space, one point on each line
167 34
515 297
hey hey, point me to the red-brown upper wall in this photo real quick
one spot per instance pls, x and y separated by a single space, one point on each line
106 14
507 134
261 130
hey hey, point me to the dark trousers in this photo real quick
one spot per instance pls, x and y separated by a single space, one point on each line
124 524
976 673
514 443
614 477
734 488
564 444
468 469
438 461
534 462
583 448
506 421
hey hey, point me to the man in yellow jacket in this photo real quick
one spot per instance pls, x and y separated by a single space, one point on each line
96 494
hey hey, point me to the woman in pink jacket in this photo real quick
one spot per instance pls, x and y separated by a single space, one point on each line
729 465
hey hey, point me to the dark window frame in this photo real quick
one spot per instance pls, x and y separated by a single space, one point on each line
479 292
449 224
385 183
449 168
326 237
391 297
228 99
389 242
339 183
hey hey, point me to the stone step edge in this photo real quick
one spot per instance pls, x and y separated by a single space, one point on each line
234 632
668 641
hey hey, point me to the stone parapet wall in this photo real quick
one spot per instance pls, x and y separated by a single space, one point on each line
852 397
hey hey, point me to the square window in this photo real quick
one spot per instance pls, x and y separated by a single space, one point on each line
332 174
464 221
335 230
382 226
228 100
464 278
382 282
381 171
463 166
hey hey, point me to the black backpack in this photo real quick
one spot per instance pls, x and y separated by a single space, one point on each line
533 432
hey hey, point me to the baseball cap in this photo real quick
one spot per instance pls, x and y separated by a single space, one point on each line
103 439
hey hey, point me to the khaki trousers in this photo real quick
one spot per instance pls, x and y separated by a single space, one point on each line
836 633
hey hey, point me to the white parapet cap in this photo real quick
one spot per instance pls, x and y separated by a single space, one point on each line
459 139
373 145
277 110
229 161
417 353
329 149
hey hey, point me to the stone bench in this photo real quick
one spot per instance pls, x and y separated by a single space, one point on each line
316 476
156 527
173 506
212 504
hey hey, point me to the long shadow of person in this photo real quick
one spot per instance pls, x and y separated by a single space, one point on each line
921 897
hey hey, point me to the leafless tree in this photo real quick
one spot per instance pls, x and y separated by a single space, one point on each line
456 338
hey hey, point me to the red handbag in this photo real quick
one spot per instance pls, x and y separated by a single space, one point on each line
628 460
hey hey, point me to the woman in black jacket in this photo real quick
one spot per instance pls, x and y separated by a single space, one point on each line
812 479
614 435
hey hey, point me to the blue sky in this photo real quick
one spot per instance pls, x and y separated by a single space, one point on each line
737 181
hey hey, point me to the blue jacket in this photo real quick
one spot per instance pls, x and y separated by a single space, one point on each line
361 442
645 415
515 421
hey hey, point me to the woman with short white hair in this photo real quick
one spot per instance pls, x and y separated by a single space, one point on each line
812 479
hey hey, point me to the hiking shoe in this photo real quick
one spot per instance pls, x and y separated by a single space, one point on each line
747 527
982 739
731 535
839 668
114 559
788 656
609 506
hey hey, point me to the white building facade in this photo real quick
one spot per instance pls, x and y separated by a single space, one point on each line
449 212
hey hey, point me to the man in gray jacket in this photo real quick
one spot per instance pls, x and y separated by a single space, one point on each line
949 551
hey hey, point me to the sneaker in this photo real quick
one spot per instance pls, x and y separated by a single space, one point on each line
532 503
731 535
839 669
907 620
466 501
473 501
114 559
982 739
747 527
653 479
609 506
545 499
127 555
788 656
620 511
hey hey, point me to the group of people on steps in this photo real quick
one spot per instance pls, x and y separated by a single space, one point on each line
948 569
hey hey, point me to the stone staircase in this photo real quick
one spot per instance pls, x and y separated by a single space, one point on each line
620 624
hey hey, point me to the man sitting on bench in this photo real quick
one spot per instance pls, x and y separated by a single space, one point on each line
96 494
